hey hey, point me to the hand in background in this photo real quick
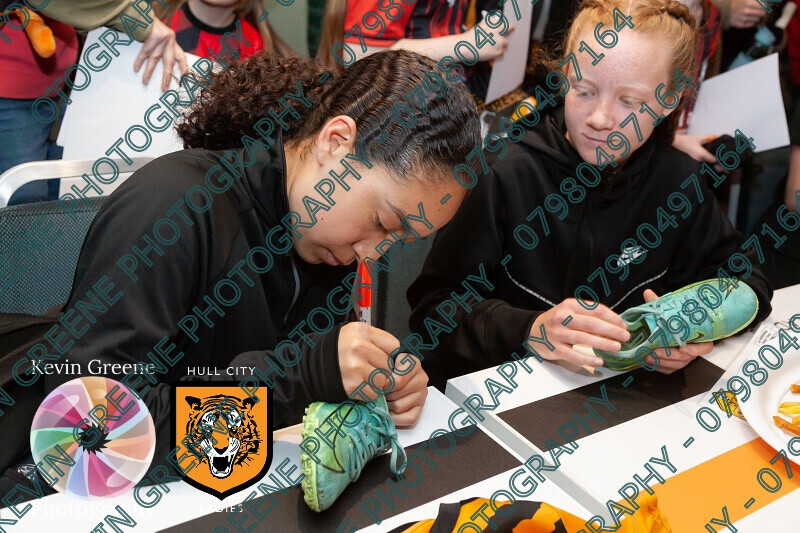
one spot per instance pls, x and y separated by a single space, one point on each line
489 51
160 45
692 145
745 13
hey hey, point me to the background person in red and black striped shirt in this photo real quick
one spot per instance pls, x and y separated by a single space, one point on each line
428 27
200 24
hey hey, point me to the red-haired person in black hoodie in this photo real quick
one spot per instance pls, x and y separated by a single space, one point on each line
588 228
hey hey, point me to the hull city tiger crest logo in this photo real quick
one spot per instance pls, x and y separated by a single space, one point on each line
226 432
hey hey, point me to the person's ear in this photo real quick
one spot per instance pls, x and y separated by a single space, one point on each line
668 112
336 139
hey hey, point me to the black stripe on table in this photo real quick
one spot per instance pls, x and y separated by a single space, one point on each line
648 392
475 458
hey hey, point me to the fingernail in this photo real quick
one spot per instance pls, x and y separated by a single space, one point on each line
626 336
597 362
618 346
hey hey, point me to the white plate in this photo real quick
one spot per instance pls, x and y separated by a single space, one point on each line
764 400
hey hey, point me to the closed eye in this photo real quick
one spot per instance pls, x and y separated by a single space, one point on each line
379 225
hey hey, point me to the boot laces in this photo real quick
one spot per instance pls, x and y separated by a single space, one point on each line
672 336
380 421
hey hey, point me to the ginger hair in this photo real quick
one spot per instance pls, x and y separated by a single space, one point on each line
665 19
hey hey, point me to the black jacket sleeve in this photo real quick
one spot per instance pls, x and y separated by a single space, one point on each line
315 377
149 309
488 334
708 244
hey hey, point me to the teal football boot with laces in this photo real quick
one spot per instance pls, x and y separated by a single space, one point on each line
699 312
349 437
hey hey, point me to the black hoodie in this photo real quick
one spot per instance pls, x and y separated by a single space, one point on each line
214 244
535 280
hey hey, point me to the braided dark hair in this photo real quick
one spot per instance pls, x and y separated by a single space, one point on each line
366 92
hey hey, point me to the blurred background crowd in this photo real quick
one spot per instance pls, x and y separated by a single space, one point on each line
36 60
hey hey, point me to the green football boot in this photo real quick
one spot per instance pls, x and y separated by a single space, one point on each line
715 315
358 434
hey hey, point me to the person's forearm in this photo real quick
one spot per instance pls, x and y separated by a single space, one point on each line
435 48
360 54
724 7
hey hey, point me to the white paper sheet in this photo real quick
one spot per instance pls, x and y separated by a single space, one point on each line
509 71
115 100
747 98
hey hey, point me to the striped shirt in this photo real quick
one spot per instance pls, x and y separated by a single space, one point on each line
196 37
422 20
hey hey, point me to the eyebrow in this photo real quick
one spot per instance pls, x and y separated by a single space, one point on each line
633 88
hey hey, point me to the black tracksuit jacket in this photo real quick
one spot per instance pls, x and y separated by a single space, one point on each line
206 251
536 280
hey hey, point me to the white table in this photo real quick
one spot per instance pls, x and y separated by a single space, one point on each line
580 486
609 458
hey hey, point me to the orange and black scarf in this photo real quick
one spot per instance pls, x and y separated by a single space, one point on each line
531 517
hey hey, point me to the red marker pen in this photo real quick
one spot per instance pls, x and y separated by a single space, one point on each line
364 289
363 286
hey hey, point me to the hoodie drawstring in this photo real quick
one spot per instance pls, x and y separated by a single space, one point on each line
609 187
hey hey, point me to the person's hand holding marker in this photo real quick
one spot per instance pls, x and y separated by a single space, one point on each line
362 350
679 357
569 323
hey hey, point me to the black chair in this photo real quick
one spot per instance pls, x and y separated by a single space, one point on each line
390 309
40 279
41 276
15 177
